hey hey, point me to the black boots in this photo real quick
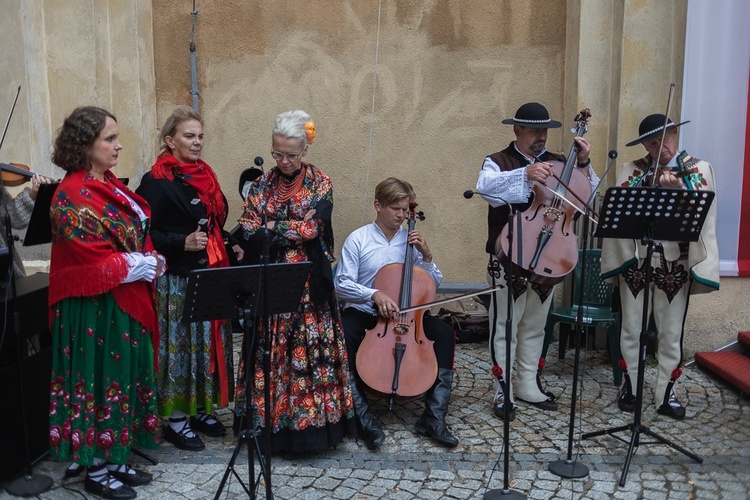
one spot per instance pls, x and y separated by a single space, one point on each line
432 421
369 428
669 405
626 399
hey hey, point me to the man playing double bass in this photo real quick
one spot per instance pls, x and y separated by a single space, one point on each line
365 252
508 177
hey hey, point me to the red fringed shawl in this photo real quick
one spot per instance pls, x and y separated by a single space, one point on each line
92 226
201 177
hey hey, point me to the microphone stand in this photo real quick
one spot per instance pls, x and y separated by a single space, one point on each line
29 484
505 492
570 468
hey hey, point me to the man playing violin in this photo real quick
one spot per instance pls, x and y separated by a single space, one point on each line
507 177
678 268
365 252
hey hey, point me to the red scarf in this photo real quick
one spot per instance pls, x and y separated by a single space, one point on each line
201 177
92 227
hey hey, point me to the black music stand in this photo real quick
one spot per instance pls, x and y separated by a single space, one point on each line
650 214
40 229
247 292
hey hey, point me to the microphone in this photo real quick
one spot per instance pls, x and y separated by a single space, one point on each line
612 154
250 175
470 194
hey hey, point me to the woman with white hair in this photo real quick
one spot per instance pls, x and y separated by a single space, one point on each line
311 400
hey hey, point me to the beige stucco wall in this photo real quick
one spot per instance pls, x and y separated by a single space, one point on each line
447 72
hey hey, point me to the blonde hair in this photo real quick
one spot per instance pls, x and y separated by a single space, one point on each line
391 190
179 115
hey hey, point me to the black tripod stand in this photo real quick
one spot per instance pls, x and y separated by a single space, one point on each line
252 293
649 215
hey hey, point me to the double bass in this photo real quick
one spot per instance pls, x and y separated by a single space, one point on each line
546 249
395 358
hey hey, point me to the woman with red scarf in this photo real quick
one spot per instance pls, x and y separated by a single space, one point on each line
188 212
102 310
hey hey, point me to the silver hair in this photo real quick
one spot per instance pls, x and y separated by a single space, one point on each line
291 125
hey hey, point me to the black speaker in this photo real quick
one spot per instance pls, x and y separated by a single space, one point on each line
36 369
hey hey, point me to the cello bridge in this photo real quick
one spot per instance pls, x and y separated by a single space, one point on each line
401 328
552 213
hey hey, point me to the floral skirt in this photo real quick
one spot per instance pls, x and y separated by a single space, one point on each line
311 400
187 376
102 396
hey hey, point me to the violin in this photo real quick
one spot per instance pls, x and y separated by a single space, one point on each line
550 247
15 174
395 358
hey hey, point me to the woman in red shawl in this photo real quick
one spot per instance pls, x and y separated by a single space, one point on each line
188 212
102 395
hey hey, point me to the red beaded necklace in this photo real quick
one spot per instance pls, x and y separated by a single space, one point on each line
286 189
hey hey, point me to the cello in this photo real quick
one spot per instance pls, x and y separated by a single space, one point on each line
395 358
546 235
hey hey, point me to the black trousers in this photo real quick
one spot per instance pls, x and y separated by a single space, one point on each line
357 322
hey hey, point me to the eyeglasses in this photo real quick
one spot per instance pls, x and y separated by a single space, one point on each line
276 155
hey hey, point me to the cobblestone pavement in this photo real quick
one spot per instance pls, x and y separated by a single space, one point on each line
408 466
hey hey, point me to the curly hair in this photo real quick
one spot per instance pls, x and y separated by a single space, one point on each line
76 136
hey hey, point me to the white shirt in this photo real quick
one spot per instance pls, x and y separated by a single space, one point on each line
500 187
365 251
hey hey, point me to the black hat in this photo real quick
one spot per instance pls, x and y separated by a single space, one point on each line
532 115
652 125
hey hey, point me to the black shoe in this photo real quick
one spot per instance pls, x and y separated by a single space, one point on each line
368 426
433 428
626 400
180 439
374 437
672 409
499 407
74 470
103 489
548 404
436 400
214 429
137 478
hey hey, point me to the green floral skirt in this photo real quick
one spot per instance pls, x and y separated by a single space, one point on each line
102 398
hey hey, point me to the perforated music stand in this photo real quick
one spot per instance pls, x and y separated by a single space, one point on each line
247 292
650 214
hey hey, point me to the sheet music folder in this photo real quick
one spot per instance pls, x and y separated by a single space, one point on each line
668 214
215 293
40 229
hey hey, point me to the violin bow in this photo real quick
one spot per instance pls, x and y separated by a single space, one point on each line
655 164
7 123
451 299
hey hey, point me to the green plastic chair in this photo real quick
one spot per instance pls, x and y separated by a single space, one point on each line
597 303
